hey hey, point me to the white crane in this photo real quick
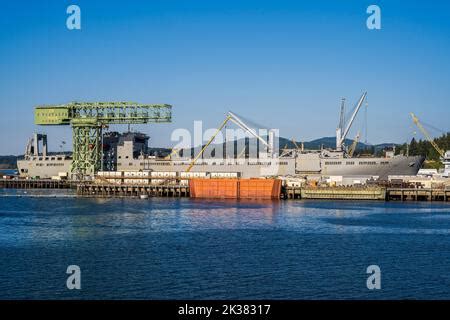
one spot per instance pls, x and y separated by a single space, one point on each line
341 133
235 119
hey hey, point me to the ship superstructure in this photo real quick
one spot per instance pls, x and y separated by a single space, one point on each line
38 162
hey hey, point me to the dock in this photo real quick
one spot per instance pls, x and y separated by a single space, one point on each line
367 193
177 190
418 194
343 193
36 184
133 191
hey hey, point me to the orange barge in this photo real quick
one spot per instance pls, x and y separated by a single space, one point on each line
235 188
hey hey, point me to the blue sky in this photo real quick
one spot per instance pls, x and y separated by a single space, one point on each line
284 64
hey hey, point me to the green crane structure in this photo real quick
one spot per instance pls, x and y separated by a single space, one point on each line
89 118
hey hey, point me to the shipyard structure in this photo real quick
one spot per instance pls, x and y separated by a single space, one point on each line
114 156
129 152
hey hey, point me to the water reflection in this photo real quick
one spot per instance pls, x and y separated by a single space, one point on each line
224 249
41 219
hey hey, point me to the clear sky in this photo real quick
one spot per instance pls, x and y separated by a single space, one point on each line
284 64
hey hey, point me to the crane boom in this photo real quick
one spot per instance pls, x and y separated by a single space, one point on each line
236 120
427 135
208 143
241 124
295 143
360 102
354 144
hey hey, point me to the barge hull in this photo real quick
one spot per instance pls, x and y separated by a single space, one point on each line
235 188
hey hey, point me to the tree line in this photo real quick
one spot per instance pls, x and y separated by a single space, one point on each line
424 147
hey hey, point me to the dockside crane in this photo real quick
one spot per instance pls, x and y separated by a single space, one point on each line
236 120
88 119
341 132
352 149
295 144
173 152
427 135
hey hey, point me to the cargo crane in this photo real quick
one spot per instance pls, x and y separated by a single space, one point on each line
341 132
445 155
236 120
295 144
87 120
427 135
352 148
173 152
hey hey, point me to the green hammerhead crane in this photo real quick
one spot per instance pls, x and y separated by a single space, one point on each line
87 120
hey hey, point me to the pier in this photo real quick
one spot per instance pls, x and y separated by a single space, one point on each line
134 191
176 190
337 193
418 194
367 193
36 184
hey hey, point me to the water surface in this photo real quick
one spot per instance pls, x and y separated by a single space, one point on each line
163 248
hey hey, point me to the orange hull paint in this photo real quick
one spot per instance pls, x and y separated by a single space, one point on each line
235 188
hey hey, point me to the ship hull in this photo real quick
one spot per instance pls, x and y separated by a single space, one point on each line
381 167
254 168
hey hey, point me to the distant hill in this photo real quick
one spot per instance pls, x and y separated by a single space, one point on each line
330 142
325 142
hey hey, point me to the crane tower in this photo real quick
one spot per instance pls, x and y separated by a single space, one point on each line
87 120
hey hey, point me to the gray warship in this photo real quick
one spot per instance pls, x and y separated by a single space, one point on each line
129 151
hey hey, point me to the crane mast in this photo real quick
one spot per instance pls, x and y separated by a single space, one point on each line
341 118
295 144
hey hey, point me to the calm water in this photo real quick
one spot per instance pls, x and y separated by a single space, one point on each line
7 171
187 249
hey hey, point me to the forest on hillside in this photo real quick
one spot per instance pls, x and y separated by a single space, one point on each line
425 148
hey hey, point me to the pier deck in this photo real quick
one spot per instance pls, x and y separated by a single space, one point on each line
362 193
110 190
87 189
36 184
418 194
336 193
